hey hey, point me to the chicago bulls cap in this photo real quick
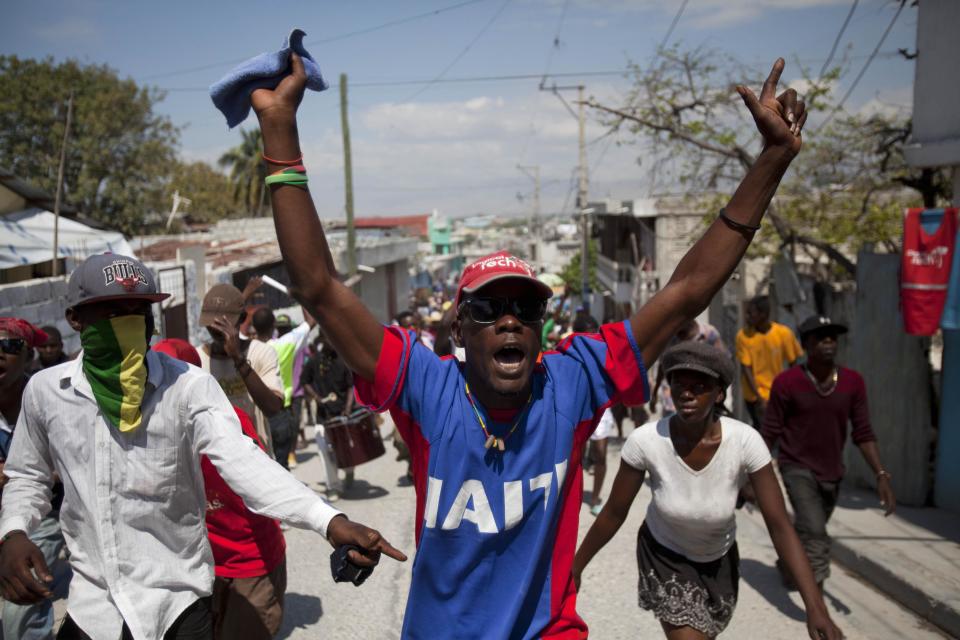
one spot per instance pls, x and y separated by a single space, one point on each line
110 276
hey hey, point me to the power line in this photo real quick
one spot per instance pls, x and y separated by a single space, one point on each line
464 79
603 154
460 55
673 25
508 77
836 42
554 45
342 36
866 66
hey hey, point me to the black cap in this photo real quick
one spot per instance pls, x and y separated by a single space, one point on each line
815 323
110 276
694 355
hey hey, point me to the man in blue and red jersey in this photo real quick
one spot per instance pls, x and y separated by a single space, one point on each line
496 439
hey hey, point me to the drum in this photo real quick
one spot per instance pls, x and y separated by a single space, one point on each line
354 439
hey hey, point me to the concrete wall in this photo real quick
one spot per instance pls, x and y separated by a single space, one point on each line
935 138
935 142
676 233
897 374
42 302
374 290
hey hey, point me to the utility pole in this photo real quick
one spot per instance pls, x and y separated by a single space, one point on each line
582 205
348 179
533 222
582 187
56 200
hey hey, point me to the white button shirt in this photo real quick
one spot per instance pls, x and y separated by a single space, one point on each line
133 510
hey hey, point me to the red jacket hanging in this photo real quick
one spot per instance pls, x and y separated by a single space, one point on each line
925 271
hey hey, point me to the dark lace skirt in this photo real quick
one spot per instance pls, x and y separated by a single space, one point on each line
679 591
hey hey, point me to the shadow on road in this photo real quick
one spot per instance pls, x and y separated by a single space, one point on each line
299 612
363 490
765 580
303 455
838 605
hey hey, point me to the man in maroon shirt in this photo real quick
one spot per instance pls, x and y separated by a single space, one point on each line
807 415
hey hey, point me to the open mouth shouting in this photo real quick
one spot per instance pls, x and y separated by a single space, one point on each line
509 360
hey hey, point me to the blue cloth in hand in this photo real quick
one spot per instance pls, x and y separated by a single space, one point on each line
231 95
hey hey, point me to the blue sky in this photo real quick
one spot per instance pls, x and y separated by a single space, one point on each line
452 146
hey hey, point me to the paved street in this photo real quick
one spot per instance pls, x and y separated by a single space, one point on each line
317 608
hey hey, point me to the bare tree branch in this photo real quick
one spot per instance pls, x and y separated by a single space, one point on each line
706 146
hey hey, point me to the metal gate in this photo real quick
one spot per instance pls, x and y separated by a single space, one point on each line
173 280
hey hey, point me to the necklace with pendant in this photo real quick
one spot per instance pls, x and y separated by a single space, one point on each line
492 440
832 384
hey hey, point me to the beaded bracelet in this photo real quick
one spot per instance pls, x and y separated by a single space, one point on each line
737 226
282 163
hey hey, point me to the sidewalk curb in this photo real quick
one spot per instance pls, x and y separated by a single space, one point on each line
936 611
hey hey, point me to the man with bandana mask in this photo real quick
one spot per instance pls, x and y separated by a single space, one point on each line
124 427
18 339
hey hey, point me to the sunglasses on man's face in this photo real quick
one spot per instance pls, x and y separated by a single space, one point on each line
489 310
13 346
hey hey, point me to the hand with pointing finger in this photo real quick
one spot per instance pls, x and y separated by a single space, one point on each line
341 531
779 119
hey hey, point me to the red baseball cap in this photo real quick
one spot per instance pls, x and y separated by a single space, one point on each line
20 328
498 266
179 349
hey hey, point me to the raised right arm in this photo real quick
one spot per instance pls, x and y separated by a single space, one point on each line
350 327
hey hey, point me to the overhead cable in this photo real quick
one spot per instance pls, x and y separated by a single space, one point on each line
342 36
836 42
866 66
460 55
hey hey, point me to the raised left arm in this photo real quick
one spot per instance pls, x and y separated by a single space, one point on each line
711 261
785 541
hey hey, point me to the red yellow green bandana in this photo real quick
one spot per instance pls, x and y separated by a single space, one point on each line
114 361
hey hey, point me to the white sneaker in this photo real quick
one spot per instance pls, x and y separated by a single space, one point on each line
333 496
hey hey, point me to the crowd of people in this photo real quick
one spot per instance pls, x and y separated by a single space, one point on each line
152 480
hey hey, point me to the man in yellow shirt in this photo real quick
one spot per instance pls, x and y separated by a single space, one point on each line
764 349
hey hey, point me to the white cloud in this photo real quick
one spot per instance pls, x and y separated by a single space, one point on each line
802 87
461 156
68 29
707 14
476 118
893 102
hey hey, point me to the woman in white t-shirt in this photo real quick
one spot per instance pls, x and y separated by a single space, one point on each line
697 461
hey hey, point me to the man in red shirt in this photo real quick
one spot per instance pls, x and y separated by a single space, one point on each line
249 551
807 415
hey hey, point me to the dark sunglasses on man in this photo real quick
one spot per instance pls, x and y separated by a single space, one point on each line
489 310
12 346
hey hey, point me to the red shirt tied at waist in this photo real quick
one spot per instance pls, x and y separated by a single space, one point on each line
925 270
245 545
811 428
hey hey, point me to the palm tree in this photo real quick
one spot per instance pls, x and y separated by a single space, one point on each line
247 171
